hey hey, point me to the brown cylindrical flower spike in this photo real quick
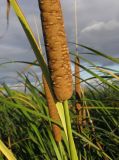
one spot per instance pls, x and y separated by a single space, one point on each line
77 78
78 94
56 48
52 110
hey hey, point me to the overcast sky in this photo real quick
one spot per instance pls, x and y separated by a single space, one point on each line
98 27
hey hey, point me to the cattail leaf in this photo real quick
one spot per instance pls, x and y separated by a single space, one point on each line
62 116
116 60
91 144
54 146
34 44
8 154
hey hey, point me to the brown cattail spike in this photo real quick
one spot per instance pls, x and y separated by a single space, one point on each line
78 94
79 116
52 110
56 48
77 78
84 122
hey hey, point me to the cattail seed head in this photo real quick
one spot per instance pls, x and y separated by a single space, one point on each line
52 110
57 49
78 106
84 122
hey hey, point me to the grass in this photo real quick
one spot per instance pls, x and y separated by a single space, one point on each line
26 128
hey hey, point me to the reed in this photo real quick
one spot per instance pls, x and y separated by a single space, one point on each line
56 48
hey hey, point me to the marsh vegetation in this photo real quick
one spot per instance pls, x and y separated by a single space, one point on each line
62 115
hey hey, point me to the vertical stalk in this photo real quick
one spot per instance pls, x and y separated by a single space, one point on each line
77 75
76 28
72 147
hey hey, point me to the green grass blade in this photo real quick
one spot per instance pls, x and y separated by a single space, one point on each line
72 147
101 54
31 38
8 154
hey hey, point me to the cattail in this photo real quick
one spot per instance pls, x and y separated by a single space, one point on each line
52 110
77 78
79 109
56 48
79 115
84 121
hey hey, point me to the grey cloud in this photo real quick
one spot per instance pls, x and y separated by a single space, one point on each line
106 26
98 27
103 36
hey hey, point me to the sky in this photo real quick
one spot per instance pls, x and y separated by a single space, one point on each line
98 27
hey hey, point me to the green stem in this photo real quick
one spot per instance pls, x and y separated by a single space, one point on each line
62 152
72 147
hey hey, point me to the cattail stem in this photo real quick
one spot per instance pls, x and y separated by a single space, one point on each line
62 151
72 147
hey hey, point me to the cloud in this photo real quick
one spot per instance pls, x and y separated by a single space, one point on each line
97 26
103 36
